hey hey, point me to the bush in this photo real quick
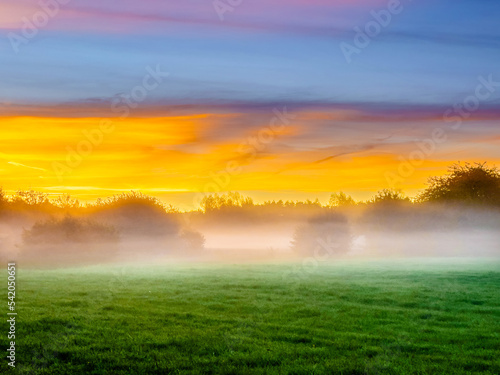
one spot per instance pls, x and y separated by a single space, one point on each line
69 230
389 210
192 241
136 214
69 240
326 233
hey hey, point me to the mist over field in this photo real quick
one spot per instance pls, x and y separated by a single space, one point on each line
458 215
245 236
435 231
241 235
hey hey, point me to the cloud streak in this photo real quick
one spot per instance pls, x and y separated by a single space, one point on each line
26 166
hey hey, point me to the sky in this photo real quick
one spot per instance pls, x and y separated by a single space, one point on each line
276 99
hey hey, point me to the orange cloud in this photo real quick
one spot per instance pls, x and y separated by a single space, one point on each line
178 155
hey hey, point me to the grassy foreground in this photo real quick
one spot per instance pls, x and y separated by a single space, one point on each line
399 317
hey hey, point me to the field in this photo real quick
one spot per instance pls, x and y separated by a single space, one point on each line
370 317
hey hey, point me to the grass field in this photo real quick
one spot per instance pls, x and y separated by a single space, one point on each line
378 317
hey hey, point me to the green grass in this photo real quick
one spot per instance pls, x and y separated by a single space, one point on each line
399 317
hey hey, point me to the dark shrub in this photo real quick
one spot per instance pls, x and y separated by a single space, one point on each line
192 241
472 184
137 215
69 240
323 235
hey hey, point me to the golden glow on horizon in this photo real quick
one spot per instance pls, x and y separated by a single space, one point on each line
175 157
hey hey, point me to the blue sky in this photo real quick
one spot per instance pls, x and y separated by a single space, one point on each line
431 52
354 122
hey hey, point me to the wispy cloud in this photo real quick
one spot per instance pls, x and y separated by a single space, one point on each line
26 166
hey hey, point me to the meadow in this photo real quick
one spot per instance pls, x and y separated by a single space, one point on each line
420 316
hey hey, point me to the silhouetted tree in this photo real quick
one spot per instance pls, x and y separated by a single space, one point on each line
192 241
341 199
389 209
469 183
323 236
69 230
69 240
66 202
31 198
390 196
3 199
136 214
217 202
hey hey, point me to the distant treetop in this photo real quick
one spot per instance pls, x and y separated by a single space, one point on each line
469 183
